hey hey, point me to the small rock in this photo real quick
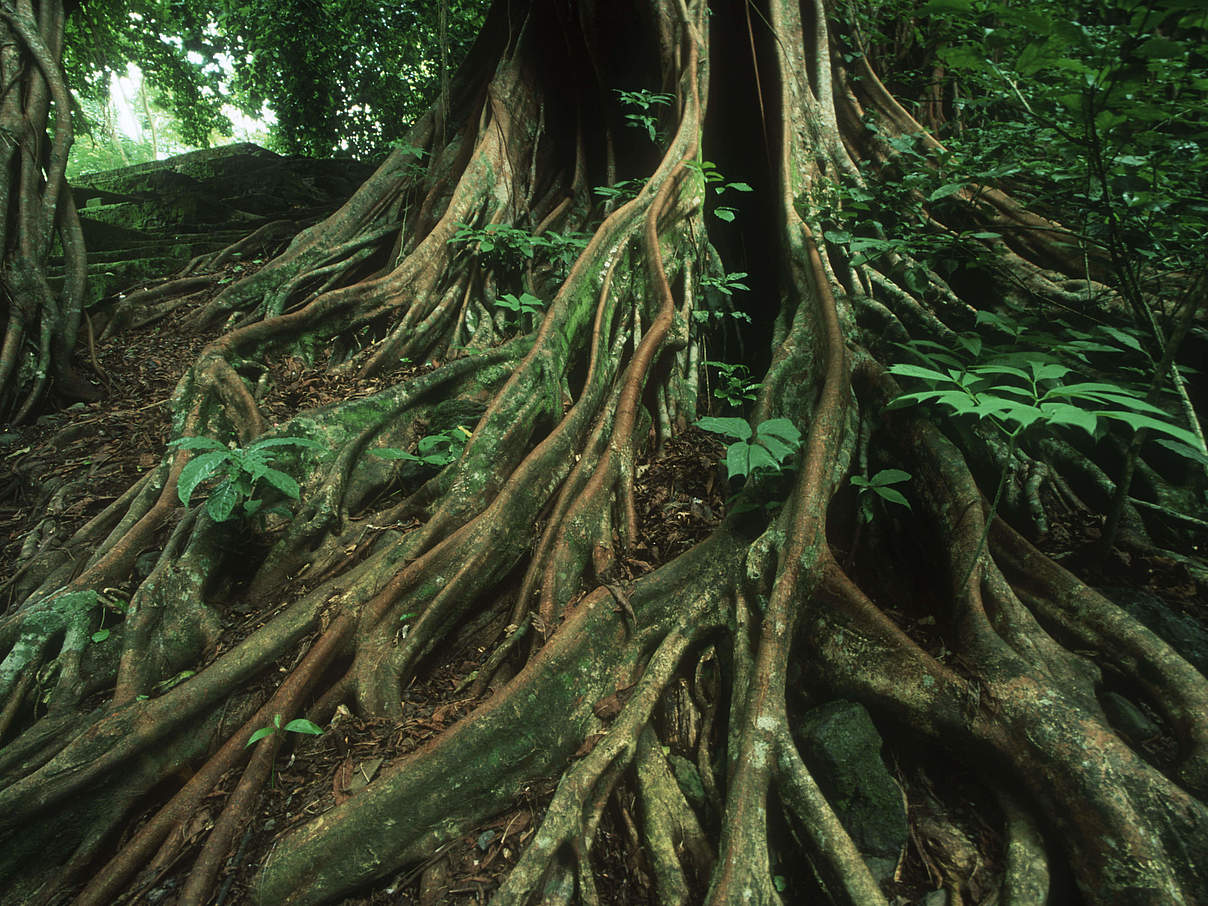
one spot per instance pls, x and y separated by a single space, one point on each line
842 749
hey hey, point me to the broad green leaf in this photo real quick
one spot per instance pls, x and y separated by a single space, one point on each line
1024 416
283 483
726 214
1188 452
100 635
944 191
971 343
1162 48
302 725
394 453
258 735
254 466
1112 393
738 462
889 476
304 442
1000 369
991 406
1003 323
1120 336
430 442
1048 371
917 371
957 399
759 457
730 427
778 448
1025 393
1137 422
223 501
743 459
782 428
197 470
892 495
1065 414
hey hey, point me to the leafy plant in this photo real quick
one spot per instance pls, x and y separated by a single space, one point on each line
241 473
297 725
702 315
1024 392
880 485
513 247
645 101
713 179
621 191
726 283
718 291
734 383
1019 392
507 244
433 449
766 447
524 304
563 248
414 168
92 597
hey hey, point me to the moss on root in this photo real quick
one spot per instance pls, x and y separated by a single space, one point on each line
527 552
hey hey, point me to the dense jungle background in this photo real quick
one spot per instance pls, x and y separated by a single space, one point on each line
651 451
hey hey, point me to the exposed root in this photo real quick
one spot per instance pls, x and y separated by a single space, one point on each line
521 544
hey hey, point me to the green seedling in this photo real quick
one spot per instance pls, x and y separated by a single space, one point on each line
713 179
297 725
244 473
726 283
524 304
645 101
765 448
734 383
880 486
433 449
621 191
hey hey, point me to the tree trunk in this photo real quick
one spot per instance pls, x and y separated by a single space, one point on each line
41 320
525 545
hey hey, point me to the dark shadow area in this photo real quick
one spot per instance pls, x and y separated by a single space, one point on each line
742 137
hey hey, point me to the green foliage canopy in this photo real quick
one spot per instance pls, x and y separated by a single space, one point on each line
344 76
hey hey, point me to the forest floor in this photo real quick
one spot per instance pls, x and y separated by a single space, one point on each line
60 471
57 473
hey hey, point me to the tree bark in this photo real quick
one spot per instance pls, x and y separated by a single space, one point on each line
524 539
